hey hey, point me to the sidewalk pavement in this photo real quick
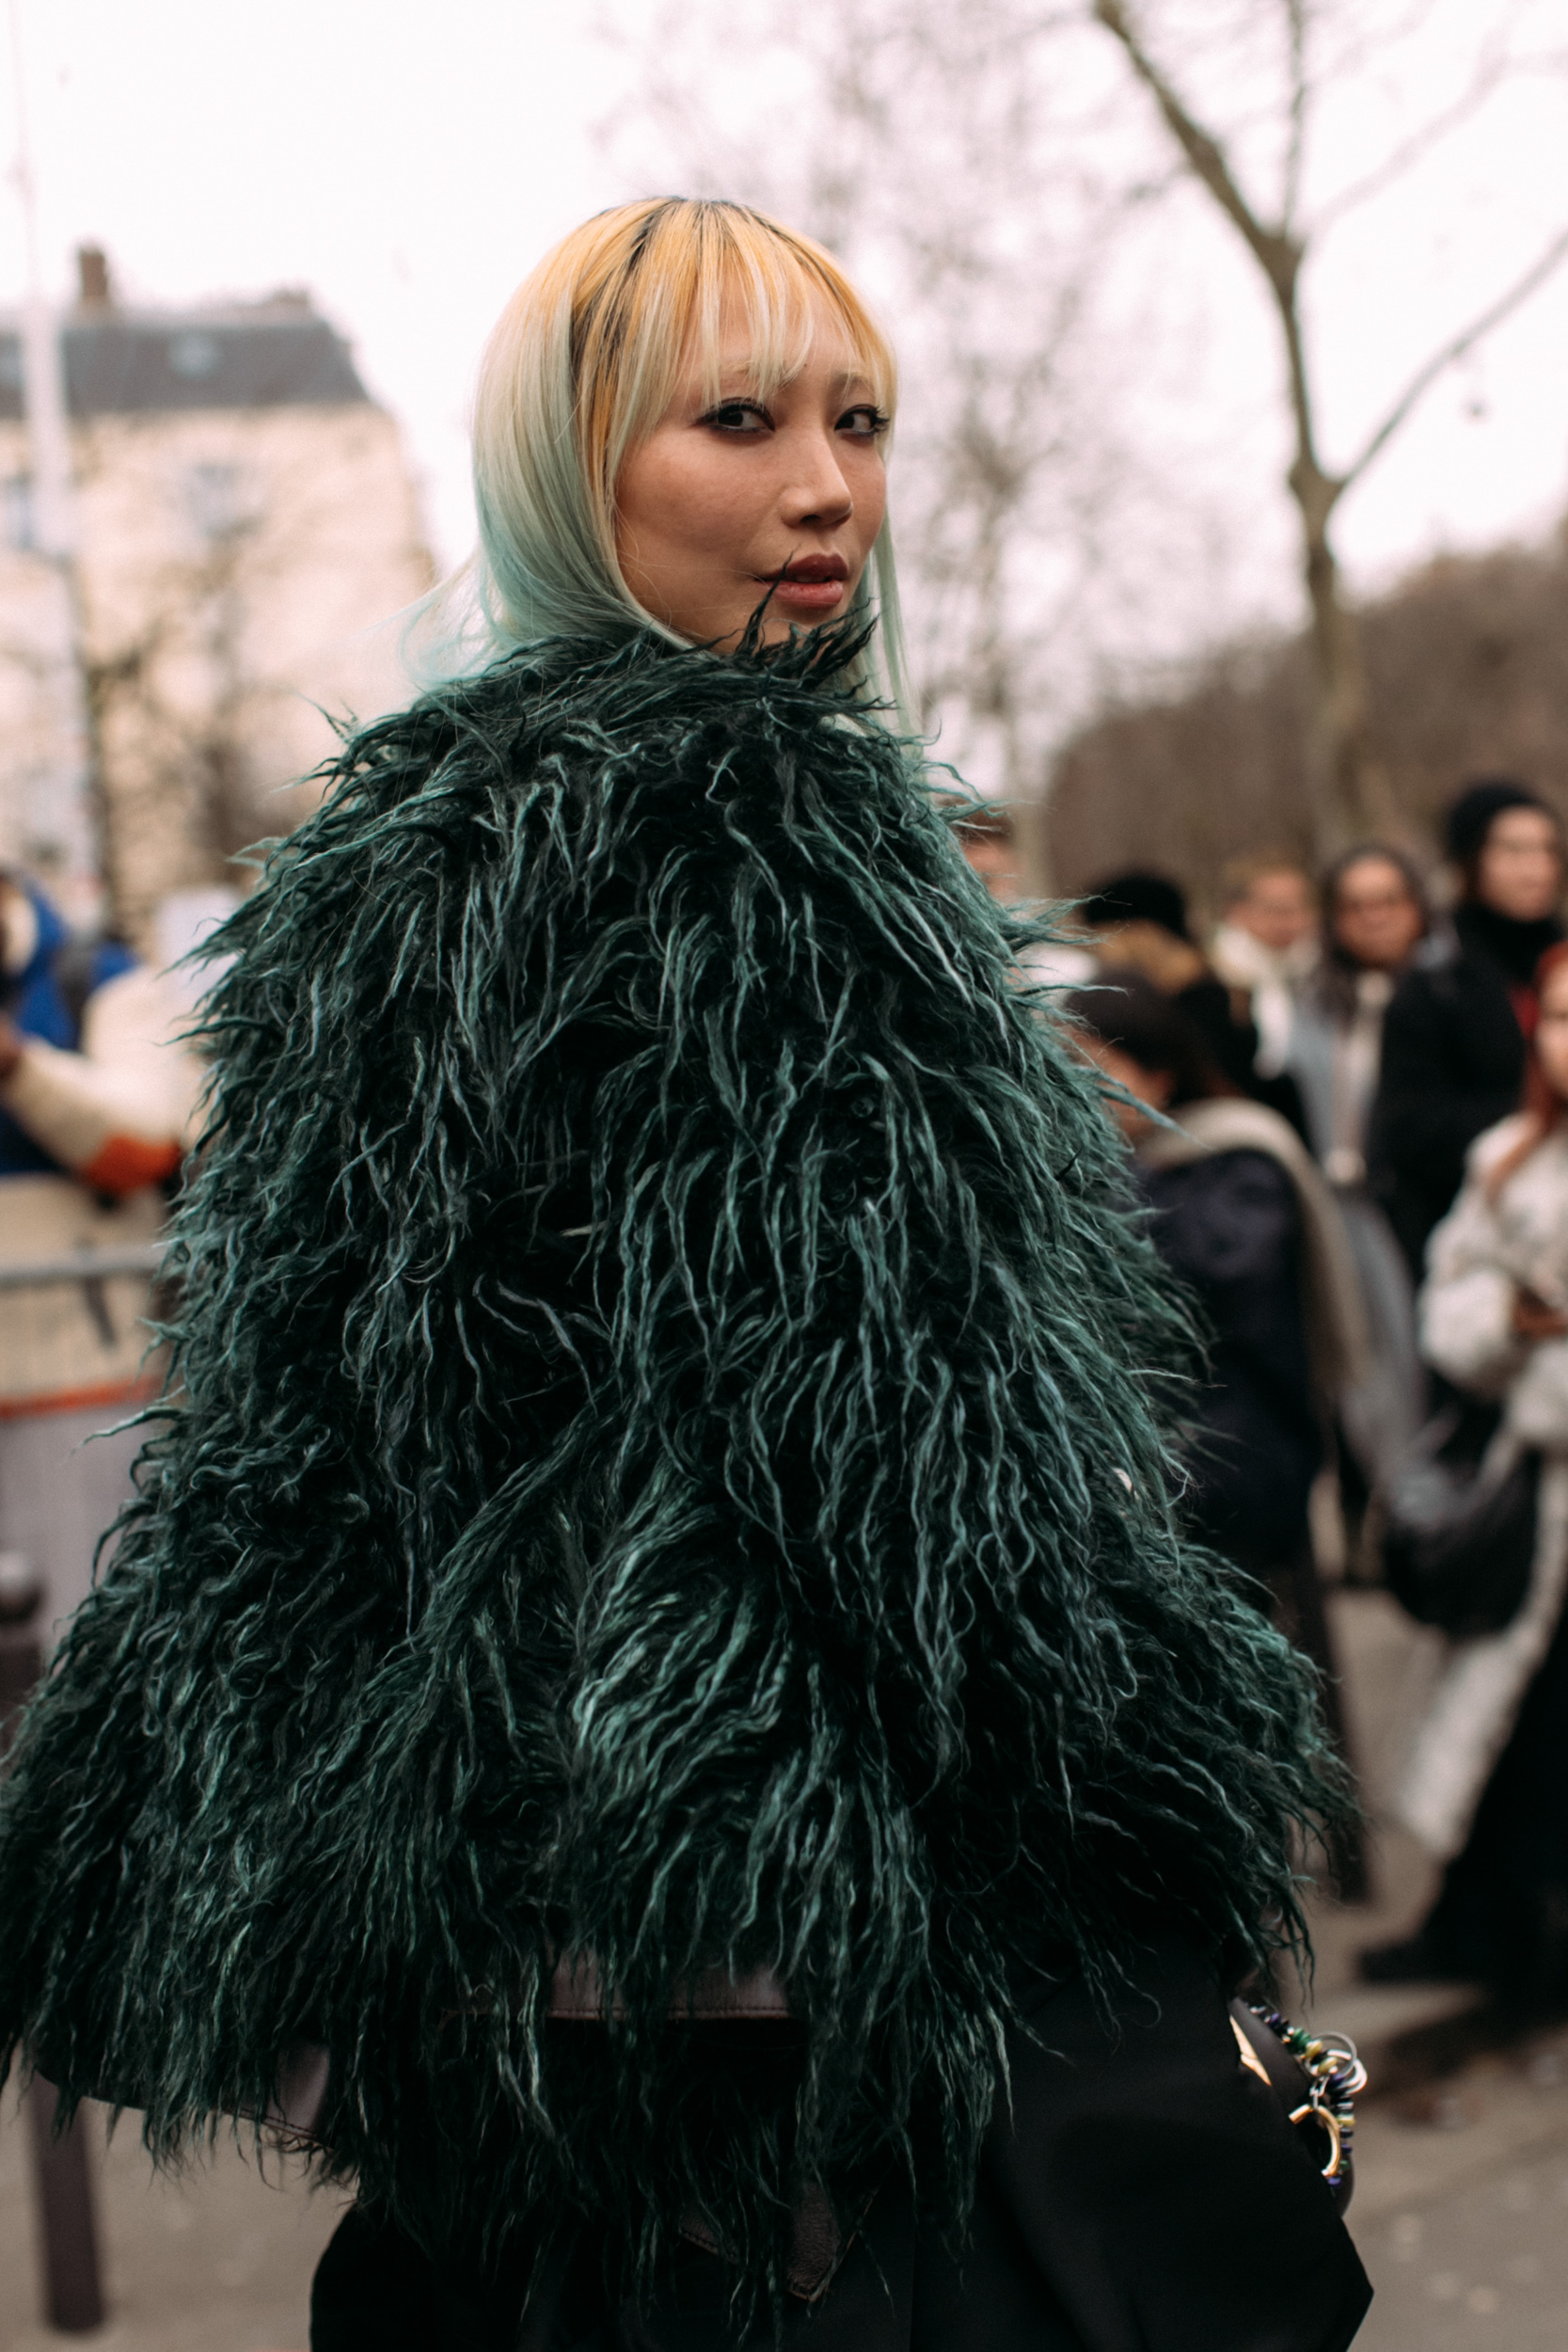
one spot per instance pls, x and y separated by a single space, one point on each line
1461 2208
218 2262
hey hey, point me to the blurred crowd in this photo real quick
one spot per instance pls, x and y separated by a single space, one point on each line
1346 1107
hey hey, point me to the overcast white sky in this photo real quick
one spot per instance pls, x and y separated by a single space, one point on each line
409 162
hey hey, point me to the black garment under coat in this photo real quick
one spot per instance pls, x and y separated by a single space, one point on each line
1143 2194
1453 1064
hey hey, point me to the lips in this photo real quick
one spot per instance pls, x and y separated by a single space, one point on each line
811 571
810 583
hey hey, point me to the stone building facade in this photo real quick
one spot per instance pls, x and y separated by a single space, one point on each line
246 531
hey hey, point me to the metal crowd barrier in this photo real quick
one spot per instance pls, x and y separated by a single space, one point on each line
72 2269
82 1265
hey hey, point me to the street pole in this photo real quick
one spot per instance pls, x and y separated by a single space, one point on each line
61 832
72 2274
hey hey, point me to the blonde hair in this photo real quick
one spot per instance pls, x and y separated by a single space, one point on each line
585 360
1239 874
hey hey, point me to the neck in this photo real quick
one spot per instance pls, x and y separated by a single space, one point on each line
1517 945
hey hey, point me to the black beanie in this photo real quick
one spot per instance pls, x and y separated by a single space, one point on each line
1136 898
1470 817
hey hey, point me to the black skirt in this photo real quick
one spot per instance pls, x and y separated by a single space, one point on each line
1141 2192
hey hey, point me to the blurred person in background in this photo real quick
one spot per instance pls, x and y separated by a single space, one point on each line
1376 922
1139 923
988 837
1455 1032
656 1679
1242 1215
1486 1787
1265 944
96 1094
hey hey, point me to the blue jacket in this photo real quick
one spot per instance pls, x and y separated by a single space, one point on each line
41 1002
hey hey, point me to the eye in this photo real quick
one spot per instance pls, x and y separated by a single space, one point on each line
737 417
863 423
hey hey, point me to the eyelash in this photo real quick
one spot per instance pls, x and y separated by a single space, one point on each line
877 424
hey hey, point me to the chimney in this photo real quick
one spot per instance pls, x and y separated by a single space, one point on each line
93 278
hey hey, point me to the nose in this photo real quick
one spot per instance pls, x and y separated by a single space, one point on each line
818 491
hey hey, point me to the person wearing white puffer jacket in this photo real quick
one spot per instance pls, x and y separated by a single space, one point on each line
1486 1787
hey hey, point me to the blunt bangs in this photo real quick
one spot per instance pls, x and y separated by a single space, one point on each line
583 363
700 267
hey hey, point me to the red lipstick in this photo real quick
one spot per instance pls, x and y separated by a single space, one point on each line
809 583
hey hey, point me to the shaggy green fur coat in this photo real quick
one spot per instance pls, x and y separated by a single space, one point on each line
659 1465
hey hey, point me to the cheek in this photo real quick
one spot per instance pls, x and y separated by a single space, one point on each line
869 488
647 500
683 499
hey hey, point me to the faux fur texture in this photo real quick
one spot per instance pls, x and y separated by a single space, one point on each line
660 1466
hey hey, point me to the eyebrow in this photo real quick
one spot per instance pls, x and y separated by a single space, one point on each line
733 381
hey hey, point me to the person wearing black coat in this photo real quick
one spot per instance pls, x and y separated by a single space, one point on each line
1453 1042
1240 1213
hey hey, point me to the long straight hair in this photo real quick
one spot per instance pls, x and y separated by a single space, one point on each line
582 363
1545 1107
1333 984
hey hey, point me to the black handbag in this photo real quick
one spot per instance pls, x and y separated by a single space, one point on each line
1459 1534
1315 2078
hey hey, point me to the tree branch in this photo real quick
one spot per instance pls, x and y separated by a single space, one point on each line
1493 69
1296 148
1278 254
1426 376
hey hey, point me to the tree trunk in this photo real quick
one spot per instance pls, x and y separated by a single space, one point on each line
1348 790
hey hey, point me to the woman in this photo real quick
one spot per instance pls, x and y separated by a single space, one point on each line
653 1694
1486 1789
1454 1043
1375 917
1265 944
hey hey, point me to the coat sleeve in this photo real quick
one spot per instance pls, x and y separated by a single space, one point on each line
116 1113
1467 1304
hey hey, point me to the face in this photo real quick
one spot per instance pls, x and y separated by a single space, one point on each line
1276 909
1375 921
1551 1034
995 857
729 498
1520 870
1153 1087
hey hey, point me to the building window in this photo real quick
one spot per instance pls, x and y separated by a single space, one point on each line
194 355
214 497
16 511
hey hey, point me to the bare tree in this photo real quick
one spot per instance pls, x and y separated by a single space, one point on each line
172 707
1348 789
226 574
